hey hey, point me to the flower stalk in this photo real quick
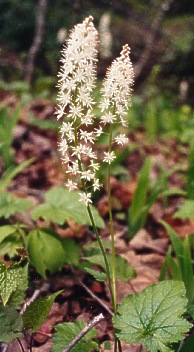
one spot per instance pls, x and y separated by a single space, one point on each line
76 83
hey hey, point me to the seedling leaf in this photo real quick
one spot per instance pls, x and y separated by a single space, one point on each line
154 316
66 332
36 313
62 205
12 324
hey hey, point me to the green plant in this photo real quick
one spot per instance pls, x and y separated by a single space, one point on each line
146 194
154 316
76 81
182 265
13 284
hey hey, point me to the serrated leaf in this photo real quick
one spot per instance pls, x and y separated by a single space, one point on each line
66 332
10 278
47 252
186 210
10 205
154 316
36 313
62 205
12 324
124 271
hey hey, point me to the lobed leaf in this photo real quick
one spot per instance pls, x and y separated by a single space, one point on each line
154 316
10 205
62 205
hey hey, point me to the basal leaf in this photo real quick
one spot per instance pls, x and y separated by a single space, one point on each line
66 332
10 279
62 205
10 205
47 252
36 313
154 316
12 324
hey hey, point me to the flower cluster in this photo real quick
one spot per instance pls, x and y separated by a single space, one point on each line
76 83
116 93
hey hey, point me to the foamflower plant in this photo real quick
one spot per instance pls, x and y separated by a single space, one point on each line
76 83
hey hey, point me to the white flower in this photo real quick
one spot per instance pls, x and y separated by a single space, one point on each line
86 174
85 198
63 146
75 111
73 168
121 139
109 157
87 136
117 85
108 118
96 185
59 111
98 131
94 166
71 185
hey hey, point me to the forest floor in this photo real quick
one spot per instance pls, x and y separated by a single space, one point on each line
145 251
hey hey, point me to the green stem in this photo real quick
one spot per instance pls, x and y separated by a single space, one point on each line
95 228
103 253
111 229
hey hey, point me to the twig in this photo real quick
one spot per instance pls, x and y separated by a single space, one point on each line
87 328
34 297
20 344
38 39
150 42
92 294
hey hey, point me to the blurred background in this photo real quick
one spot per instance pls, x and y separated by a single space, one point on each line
159 32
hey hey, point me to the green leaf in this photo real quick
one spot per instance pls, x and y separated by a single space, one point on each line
98 275
139 200
154 316
186 210
11 279
12 324
47 252
17 297
36 313
66 332
10 205
62 205
124 271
